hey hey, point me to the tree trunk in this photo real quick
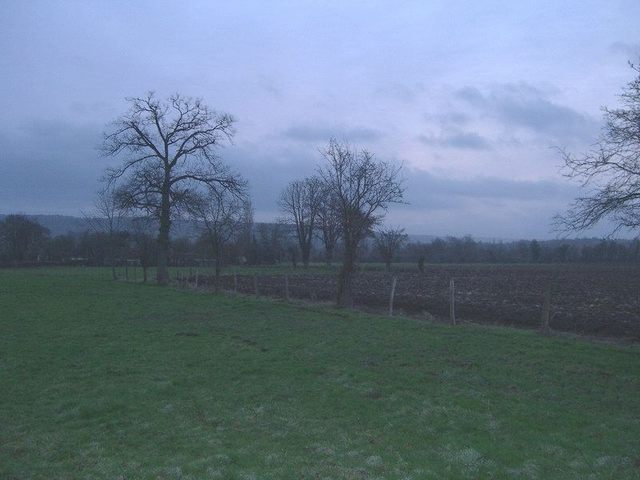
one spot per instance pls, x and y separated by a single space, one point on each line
306 253
452 301
328 256
345 279
163 238
112 257
387 264
217 286
546 311
144 273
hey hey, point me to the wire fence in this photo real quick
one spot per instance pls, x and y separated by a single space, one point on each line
546 300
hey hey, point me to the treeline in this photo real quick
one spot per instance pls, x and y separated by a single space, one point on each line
24 242
468 250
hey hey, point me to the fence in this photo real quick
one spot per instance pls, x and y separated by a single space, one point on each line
506 296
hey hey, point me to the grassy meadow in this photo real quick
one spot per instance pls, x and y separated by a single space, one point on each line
113 380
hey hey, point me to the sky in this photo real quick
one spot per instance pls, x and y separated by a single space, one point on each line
472 98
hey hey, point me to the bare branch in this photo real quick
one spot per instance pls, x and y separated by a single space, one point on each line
610 171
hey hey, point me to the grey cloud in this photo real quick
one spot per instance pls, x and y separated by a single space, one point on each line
50 167
527 107
54 138
309 133
456 118
270 86
471 95
423 187
400 91
484 206
462 140
629 50
269 172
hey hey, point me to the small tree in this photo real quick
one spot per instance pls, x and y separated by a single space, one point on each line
107 217
221 216
610 171
169 153
300 202
362 189
388 242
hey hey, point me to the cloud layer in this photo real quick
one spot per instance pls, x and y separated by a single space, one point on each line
468 97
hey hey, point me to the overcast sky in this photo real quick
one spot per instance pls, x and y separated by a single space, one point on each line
470 96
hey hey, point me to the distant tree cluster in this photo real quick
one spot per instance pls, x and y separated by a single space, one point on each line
25 242
468 250
22 240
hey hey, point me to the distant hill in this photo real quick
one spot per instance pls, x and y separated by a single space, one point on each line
58 224
64 224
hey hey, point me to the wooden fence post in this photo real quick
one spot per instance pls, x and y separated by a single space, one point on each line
286 287
255 283
546 311
393 292
235 283
452 301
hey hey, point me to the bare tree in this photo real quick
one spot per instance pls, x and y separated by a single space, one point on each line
169 152
222 216
610 171
388 242
107 216
300 202
328 226
363 189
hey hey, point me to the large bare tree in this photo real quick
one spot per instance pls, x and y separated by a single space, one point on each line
168 151
300 202
388 242
610 171
362 189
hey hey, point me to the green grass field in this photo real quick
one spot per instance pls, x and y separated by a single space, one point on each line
114 380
